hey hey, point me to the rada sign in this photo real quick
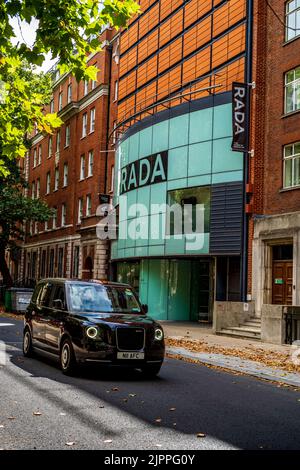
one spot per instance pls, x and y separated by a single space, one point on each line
148 170
239 117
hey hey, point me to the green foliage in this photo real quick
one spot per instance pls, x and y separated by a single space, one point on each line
63 29
16 208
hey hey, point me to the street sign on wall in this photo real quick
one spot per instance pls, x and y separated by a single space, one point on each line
240 117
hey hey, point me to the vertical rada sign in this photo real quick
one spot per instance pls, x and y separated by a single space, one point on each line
240 117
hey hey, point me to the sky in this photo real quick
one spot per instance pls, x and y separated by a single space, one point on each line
27 33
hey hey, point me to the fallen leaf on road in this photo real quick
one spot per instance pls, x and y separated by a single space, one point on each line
107 441
115 389
132 395
101 406
158 445
70 444
201 434
158 420
1 426
125 400
62 414
37 413
174 424
11 417
172 409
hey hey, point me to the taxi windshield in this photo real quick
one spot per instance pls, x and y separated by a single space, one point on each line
102 299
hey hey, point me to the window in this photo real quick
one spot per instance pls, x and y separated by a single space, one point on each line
38 188
36 228
115 132
60 264
82 167
112 178
43 264
86 87
56 179
116 90
76 261
84 125
50 145
40 155
189 197
91 163
52 106
51 263
48 183
67 135
69 93
66 170
291 165
88 210
46 226
54 218
80 210
60 101
57 141
292 90
34 157
63 214
292 19
92 119
33 190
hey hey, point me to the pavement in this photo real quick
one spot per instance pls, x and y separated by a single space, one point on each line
186 333
188 406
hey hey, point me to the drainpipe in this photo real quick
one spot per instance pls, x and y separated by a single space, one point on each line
248 78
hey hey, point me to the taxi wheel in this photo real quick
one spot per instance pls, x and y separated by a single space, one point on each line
152 370
67 358
27 344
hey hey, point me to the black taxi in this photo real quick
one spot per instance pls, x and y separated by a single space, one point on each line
92 322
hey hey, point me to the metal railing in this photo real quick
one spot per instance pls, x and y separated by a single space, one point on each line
291 316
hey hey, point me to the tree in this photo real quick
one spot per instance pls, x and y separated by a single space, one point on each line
15 208
64 29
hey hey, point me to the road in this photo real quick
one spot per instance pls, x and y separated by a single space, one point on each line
40 408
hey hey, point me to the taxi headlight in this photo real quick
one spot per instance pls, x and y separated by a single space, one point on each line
92 332
158 334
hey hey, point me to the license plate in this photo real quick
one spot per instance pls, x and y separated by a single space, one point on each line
131 355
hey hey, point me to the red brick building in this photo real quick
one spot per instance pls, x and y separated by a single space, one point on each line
69 170
275 168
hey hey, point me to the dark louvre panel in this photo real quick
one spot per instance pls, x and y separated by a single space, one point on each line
226 218
130 339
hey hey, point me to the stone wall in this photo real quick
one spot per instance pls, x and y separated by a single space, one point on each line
272 324
228 314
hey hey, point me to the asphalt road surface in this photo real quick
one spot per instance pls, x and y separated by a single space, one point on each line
40 408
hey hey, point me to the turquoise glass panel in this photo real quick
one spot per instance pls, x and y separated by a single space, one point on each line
175 246
157 229
131 204
143 286
179 290
143 196
222 121
157 195
156 250
133 147
227 176
199 159
177 184
223 157
142 231
197 246
179 131
145 148
200 125
158 288
178 161
160 137
199 180
141 251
